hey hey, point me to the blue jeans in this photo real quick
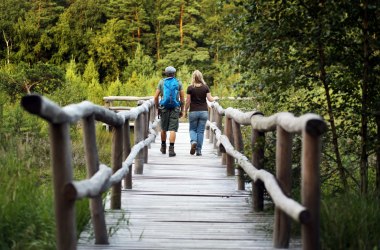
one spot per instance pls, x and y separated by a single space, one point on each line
197 121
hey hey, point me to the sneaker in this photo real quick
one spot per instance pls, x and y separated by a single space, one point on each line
171 151
163 149
199 153
193 148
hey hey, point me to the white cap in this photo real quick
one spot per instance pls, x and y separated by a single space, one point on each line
170 70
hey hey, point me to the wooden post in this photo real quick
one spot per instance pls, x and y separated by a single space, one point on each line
239 146
258 144
212 118
145 135
281 233
229 158
310 189
62 174
117 162
150 120
152 113
139 136
126 152
208 129
92 161
219 125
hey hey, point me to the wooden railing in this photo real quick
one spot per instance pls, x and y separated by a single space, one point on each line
100 177
230 146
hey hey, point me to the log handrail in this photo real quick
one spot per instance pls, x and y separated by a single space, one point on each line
100 177
311 127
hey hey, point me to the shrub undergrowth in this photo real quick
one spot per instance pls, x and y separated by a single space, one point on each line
350 221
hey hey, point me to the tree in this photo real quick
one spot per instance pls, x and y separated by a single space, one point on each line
180 34
10 12
75 29
108 50
91 78
136 18
21 79
33 42
141 64
310 45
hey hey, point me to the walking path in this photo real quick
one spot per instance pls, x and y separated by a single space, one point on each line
185 202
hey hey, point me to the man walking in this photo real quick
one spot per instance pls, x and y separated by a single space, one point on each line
170 107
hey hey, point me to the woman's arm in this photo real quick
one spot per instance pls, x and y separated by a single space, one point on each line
187 105
210 98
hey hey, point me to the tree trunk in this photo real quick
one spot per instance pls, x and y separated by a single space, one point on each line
7 41
181 24
158 40
138 26
323 79
364 110
378 155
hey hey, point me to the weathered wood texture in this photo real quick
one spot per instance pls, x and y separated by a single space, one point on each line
311 127
185 202
65 189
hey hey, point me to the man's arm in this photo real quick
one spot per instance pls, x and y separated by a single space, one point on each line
156 97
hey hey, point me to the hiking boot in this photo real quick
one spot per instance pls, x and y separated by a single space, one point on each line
163 149
199 152
171 151
193 148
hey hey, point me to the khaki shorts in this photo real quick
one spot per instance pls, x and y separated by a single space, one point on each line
170 119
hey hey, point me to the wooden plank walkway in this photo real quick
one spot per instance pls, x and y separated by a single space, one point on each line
185 202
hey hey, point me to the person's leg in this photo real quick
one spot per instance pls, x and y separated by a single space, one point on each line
173 128
163 135
172 136
164 127
193 124
203 116
163 142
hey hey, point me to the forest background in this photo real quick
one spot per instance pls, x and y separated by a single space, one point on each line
319 56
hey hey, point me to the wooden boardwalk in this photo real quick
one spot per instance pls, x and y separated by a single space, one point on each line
185 202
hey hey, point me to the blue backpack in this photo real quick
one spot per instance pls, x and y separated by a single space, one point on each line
170 94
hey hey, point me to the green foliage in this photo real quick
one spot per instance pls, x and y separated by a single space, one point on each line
94 89
295 56
350 222
184 75
27 219
224 80
141 64
20 79
116 88
107 49
26 214
74 90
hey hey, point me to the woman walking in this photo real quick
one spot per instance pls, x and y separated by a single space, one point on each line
197 93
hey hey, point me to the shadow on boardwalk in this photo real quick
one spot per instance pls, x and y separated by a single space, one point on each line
185 202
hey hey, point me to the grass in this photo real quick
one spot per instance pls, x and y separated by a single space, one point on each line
350 221
25 211
26 202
